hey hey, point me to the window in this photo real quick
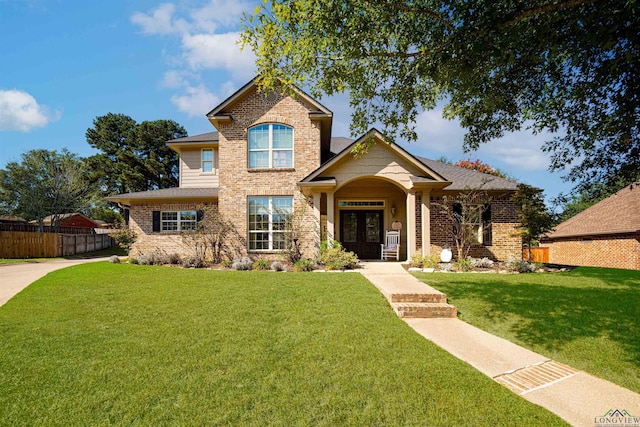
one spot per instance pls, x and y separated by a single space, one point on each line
178 221
477 218
359 204
207 160
268 218
270 146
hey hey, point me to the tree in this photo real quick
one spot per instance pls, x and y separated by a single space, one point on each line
45 183
571 67
133 157
478 166
534 216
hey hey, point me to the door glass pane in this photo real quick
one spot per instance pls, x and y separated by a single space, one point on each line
373 227
350 227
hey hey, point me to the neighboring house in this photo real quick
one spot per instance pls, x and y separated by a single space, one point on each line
12 220
273 157
605 235
77 221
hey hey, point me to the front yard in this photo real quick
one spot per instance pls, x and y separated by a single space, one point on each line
588 318
102 344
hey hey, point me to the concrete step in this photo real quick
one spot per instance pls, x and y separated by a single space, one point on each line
424 310
434 297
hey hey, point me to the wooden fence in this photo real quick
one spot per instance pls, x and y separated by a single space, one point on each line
537 254
17 244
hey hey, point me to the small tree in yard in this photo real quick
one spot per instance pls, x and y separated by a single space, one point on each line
125 238
209 238
534 216
464 211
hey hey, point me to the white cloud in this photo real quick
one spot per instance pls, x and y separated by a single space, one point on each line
160 20
521 150
197 101
437 133
218 51
20 111
175 79
225 13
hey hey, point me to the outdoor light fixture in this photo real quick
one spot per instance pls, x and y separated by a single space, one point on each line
393 210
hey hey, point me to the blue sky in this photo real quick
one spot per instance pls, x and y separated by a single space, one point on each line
66 62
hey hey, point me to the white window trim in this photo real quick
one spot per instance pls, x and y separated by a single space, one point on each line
270 230
178 220
214 169
270 150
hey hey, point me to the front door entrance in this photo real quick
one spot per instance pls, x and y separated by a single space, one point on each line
362 232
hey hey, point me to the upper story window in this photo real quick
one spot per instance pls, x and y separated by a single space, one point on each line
207 160
270 146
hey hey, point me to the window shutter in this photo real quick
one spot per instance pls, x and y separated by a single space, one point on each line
199 215
126 217
486 226
156 221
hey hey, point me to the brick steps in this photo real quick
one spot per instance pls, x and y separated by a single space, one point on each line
419 297
424 310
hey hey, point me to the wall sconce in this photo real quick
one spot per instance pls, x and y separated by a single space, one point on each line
393 210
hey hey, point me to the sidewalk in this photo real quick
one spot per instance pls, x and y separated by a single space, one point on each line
16 277
575 396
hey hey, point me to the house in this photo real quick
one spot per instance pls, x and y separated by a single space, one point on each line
74 222
273 159
12 220
605 235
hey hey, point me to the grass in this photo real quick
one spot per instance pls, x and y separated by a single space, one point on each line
114 250
588 318
102 344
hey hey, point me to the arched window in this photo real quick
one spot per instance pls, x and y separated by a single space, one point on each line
270 146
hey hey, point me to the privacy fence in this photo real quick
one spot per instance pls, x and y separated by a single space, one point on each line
537 254
19 244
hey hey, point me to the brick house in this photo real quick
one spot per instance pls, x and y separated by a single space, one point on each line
274 154
605 235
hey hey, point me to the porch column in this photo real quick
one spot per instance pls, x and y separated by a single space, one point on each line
426 223
331 221
411 223
316 220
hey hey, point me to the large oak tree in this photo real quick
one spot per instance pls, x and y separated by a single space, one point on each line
569 67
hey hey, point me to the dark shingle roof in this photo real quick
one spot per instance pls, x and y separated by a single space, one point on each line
461 178
196 139
619 213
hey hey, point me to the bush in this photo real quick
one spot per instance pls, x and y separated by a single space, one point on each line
242 264
519 265
416 260
226 263
125 238
430 261
172 258
114 259
149 259
261 264
482 262
337 258
193 261
303 265
463 264
277 266
133 261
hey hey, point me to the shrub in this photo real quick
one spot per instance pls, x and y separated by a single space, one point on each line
463 264
133 261
172 258
149 259
431 261
303 265
261 264
519 265
277 266
242 264
337 258
482 262
416 260
226 263
125 238
114 259
193 261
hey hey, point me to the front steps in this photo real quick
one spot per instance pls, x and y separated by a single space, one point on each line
426 306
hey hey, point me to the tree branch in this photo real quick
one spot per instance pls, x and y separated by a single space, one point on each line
423 11
547 8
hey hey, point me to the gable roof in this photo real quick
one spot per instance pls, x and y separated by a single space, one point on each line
11 218
203 137
372 133
460 178
49 218
617 214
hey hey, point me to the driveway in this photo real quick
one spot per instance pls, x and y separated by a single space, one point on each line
16 277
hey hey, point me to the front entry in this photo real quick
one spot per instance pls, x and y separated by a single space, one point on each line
362 232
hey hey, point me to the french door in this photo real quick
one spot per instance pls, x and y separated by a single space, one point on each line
361 232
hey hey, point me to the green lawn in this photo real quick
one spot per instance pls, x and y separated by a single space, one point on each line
102 344
588 318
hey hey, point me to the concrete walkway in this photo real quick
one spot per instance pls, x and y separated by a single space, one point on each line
16 277
575 396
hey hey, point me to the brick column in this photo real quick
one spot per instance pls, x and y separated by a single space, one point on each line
411 223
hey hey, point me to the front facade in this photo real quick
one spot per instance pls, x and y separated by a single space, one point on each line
274 172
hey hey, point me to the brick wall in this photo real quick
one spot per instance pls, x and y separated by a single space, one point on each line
141 222
237 181
611 251
504 218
